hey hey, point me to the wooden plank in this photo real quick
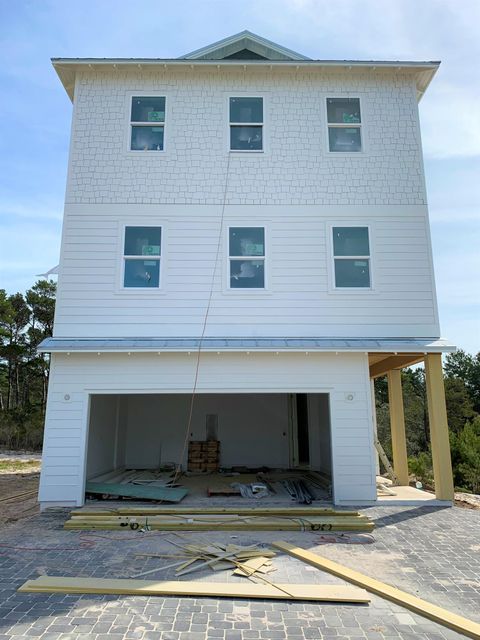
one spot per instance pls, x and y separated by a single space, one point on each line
122 586
280 511
417 605
137 491
222 489
249 567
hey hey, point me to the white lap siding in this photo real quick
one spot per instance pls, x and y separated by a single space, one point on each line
73 378
298 300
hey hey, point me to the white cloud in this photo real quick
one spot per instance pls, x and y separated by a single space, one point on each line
450 126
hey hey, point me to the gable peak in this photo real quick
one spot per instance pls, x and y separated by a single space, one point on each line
246 46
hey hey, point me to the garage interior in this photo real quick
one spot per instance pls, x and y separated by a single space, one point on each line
261 438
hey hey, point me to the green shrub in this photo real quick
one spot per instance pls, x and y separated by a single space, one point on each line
421 467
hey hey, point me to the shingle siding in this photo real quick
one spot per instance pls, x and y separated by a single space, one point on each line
295 168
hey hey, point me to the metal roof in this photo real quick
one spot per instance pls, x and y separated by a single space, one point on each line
372 345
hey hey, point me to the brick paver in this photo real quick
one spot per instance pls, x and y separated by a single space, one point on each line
431 552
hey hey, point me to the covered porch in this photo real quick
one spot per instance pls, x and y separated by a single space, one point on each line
391 365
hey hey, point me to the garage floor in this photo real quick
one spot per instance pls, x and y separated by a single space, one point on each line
212 489
434 553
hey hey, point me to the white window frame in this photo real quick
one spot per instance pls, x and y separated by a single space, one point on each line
331 262
161 258
341 125
146 94
246 290
246 94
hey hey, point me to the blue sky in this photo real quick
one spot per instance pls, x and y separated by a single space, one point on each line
35 111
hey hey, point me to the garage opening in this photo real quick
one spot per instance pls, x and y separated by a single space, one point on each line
264 438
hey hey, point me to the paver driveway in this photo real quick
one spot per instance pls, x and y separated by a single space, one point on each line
433 553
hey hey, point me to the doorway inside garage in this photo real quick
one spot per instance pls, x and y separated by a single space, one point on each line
256 433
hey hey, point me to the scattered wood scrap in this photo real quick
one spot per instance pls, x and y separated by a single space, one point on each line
218 557
122 586
417 605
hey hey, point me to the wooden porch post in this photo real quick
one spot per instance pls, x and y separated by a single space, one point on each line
437 415
397 425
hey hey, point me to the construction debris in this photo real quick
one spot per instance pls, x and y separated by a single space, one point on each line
245 559
417 605
252 490
122 586
299 491
303 487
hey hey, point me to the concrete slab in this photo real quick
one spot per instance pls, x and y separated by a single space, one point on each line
410 496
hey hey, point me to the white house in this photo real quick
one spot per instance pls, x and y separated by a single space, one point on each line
250 224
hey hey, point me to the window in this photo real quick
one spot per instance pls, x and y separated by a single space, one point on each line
344 124
141 257
246 124
247 257
351 256
147 124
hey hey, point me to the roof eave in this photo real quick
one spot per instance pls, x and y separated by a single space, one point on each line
245 345
67 67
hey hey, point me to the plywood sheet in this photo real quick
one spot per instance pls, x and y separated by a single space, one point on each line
167 494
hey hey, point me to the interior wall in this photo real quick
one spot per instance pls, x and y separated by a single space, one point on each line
252 428
121 432
102 435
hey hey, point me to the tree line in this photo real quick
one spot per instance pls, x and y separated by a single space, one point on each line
25 320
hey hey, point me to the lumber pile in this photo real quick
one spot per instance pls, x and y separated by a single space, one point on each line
122 586
243 519
203 455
